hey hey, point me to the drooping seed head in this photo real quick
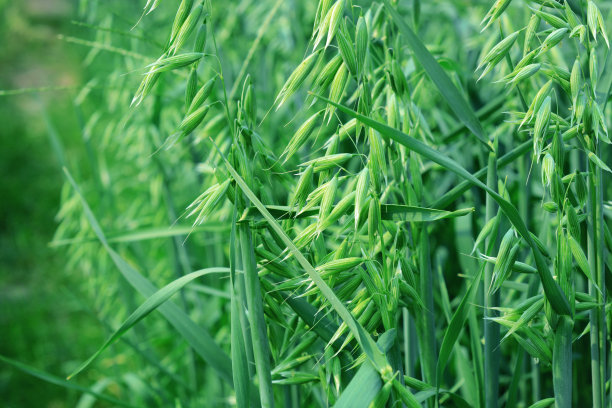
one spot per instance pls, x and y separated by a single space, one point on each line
537 102
374 219
508 252
526 60
328 199
580 257
558 149
575 80
598 162
494 12
328 162
553 20
570 16
296 79
377 162
248 102
328 73
210 201
322 9
200 41
337 12
553 39
573 224
499 51
300 136
593 70
541 125
557 191
578 31
362 42
347 129
192 120
347 50
339 265
302 188
336 90
191 87
548 168
181 15
532 26
338 211
581 188
361 194
523 73
595 21
186 28
174 62
202 95
306 236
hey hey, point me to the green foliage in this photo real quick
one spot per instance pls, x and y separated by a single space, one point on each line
321 156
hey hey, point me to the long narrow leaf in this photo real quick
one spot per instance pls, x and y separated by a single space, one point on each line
61 382
409 213
149 305
145 234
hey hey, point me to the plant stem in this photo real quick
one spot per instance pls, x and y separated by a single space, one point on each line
491 329
562 362
595 257
261 346
427 343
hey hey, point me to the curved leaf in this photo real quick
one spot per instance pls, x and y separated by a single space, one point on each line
149 305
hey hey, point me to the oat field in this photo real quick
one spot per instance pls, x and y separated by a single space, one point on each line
336 203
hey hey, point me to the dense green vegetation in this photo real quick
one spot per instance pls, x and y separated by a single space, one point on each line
334 203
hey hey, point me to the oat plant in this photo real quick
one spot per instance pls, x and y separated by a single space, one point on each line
344 203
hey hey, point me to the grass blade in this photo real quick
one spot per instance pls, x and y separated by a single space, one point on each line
149 305
61 382
562 363
387 211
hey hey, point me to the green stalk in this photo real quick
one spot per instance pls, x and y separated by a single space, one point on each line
525 211
562 362
411 351
595 257
427 343
476 350
491 329
562 348
261 346
241 373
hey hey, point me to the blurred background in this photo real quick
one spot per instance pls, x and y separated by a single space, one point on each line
41 323
57 304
